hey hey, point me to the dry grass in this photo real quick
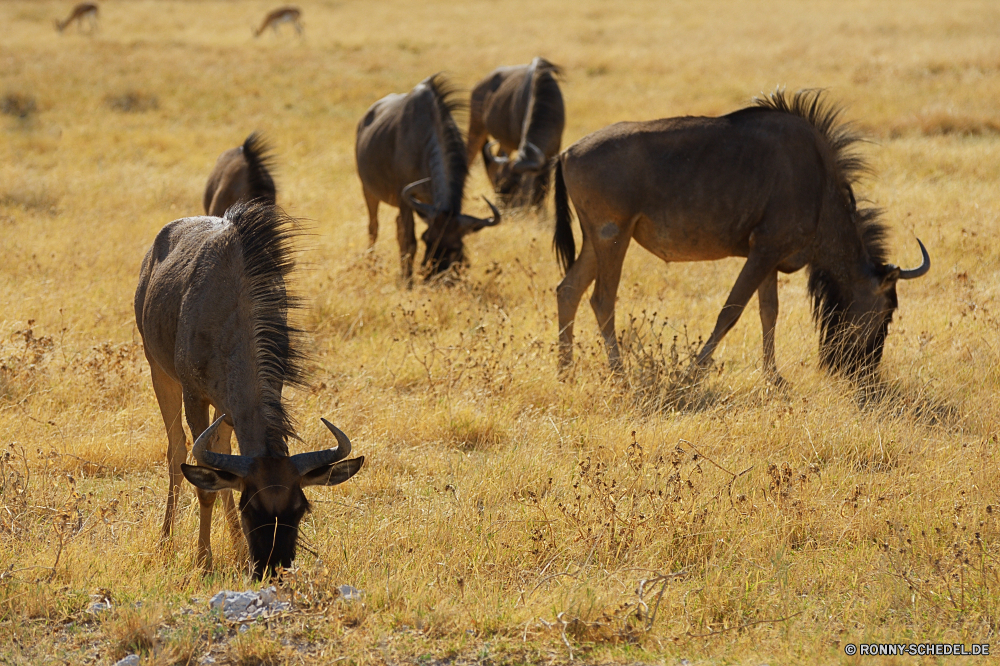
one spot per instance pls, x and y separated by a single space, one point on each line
502 516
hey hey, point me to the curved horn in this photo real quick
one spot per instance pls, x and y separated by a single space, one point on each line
925 265
238 465
419 206
531 158
501 156
488 153
307 462
469 223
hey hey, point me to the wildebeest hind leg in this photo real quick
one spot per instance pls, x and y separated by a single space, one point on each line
610 257
168 396
754 272
569 292
767 295
196 411
372 202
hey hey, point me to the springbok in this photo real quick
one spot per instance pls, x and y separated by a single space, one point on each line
83 11
522 108
411 155
277 17
212 309
241 174
773 182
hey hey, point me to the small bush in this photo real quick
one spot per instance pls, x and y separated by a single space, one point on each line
18 105
132 101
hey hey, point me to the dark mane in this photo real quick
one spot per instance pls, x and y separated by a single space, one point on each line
839 348
453 148
267 240
843 138
260 160
547 107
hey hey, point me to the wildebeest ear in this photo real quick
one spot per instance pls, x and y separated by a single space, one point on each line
891 277
207 478
331 475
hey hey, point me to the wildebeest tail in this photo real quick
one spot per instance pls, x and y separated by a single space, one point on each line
260 160
562 240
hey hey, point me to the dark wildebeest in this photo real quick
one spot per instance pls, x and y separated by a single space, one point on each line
85 11
521 107
772 182
411 155
241 174
212 310
277 17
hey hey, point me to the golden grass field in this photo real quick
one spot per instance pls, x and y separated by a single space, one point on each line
501 516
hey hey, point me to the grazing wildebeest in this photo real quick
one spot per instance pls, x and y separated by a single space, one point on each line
411 155
83 11
277 17
241 174
521 107
772 182
212 309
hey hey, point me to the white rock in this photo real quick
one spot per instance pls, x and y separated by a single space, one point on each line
131 660
348 593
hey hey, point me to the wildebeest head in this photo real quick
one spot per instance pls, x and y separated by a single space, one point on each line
507 175
854 313
446 230
272 503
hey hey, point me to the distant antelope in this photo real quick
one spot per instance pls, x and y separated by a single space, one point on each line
84 10
281 15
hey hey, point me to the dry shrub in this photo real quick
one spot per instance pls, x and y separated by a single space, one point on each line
948 563
15 478
639 503
17 105
23 362
115 370
132 101
662 375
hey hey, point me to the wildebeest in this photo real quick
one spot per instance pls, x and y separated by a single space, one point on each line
83 11
773 182
241 174
212 309
277 17
411 155
521 107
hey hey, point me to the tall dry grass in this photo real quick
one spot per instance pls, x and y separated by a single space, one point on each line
502 515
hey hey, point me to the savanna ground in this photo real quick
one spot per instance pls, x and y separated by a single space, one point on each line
502 516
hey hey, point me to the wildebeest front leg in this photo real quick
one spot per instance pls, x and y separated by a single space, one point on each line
168 396
407 242
754 272
568 293
767 295
196 410
225 445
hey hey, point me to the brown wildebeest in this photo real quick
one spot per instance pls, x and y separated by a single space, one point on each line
83 11
212 309
241 174
281 15
772 182
521 107
411 155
